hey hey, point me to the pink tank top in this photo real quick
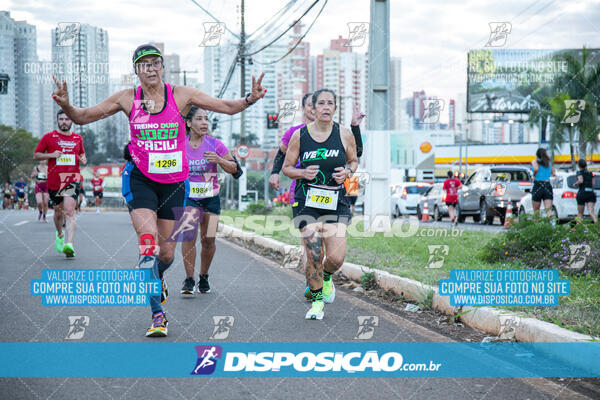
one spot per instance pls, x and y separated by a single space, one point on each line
158 140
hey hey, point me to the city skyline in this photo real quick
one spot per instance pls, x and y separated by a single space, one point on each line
433 59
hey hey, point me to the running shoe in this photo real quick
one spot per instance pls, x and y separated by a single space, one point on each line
316 311
44 219
164 293
328 291
146 262
59 243
203 286
188 286
307 293
159 325
69 250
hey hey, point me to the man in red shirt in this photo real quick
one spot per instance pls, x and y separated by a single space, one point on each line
64 151
98 188
451 186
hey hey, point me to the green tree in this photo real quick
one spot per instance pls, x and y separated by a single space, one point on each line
16 152
581 80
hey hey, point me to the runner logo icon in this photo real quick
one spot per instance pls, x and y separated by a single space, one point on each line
207 359
366 326
77 325
223 325
437 255
499 32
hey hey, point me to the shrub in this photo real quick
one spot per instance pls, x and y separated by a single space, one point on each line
535 243
260 208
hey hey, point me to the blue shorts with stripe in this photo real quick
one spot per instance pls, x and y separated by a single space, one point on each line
140 191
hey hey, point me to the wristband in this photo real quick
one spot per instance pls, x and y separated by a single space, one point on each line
247 101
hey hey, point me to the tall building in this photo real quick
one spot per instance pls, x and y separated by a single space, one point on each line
344 72
395 92
20 106
452 114
293 79
172 71
85 68
256 122
46 86
418 108
217 62
8 109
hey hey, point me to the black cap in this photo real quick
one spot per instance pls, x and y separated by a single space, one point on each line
145 50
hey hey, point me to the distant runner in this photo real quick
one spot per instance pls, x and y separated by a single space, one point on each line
64 151
451 186
98 189
40 174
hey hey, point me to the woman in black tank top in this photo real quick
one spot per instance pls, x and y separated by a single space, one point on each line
585 194
327 154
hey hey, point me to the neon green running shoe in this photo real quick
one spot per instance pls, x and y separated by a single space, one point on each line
59 243
316 311
69 250
328 291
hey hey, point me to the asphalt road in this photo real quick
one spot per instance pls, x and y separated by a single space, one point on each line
266 302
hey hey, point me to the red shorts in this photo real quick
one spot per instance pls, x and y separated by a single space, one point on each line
41 187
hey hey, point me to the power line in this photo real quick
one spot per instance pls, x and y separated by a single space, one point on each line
215 18
299 40
284 32
273 19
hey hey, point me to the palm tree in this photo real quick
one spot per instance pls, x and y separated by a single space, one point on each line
581 80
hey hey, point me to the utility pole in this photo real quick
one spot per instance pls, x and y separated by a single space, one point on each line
242 76
184 72
377 197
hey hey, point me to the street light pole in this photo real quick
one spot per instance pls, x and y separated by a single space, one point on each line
242 75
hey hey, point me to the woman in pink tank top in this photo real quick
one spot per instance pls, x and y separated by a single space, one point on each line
155 181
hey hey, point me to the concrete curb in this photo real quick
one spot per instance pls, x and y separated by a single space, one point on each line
287 255
486 319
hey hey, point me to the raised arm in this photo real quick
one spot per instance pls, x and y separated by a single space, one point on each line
82 116
190 96
291 157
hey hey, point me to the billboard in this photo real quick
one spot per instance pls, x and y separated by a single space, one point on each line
503 80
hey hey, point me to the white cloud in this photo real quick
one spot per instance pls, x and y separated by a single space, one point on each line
432 37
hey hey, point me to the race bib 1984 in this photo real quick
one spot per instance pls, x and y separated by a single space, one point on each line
201 190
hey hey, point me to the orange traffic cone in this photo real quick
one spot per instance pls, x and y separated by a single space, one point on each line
425 216
508 218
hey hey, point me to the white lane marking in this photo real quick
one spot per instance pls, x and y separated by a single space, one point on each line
21 223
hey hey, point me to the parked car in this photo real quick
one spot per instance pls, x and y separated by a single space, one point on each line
405 197
564 205
435 197
486 193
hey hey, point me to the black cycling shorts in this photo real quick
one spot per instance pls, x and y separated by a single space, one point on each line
99 194
585 196
542 190
304 215
71 190
142 192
